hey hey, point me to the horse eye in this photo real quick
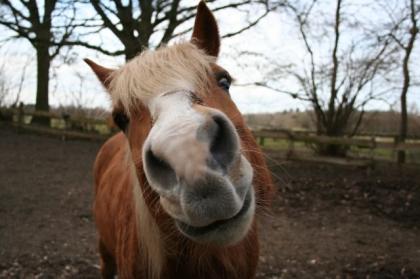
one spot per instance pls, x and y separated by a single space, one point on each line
121 120
224 83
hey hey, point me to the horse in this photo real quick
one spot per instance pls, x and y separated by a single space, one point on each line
180 189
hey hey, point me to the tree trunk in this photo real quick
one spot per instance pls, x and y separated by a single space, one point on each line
403 125
401 158
43 68
132 50
330 129
334 150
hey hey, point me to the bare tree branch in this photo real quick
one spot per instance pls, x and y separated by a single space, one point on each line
162 16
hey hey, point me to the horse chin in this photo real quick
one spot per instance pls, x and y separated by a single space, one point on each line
223 232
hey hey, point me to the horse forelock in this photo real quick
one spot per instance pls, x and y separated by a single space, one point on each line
182 66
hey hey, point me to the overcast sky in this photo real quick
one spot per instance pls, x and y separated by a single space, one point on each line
275 36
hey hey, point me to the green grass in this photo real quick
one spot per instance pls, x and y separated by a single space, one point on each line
413 156
281 144
58 123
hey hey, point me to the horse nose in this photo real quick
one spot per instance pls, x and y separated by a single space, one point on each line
223 143
188 152
159 170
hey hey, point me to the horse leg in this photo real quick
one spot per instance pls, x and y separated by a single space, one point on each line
108 266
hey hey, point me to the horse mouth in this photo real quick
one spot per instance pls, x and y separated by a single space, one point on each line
218 227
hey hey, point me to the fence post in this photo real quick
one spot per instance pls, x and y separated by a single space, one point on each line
262 140
20 116
372 152
395 149
291 147
66 119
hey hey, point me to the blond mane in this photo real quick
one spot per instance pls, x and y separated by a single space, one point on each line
182 66
148 233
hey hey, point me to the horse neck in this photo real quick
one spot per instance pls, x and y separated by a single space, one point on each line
192 260
166 251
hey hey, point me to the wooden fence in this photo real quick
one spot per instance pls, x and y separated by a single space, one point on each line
61 124
369 145
88 129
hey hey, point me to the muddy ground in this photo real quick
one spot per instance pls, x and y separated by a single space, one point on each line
327 221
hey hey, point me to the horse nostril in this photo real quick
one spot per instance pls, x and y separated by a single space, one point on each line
224 144
159 171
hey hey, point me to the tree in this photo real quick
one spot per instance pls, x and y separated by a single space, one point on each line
47 26
403 31
135 22
339 70
4 86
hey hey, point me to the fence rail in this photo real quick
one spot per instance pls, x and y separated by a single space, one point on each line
88 129
369 144
66 126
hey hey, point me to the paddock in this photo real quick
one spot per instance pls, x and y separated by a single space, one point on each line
327 221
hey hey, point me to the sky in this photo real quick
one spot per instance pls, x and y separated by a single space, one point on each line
275 36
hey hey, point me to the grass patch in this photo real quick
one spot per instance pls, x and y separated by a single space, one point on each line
381 153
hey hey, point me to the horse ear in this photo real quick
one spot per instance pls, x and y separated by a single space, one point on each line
205 33
101 72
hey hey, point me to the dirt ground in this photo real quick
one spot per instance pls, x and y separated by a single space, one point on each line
327 221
